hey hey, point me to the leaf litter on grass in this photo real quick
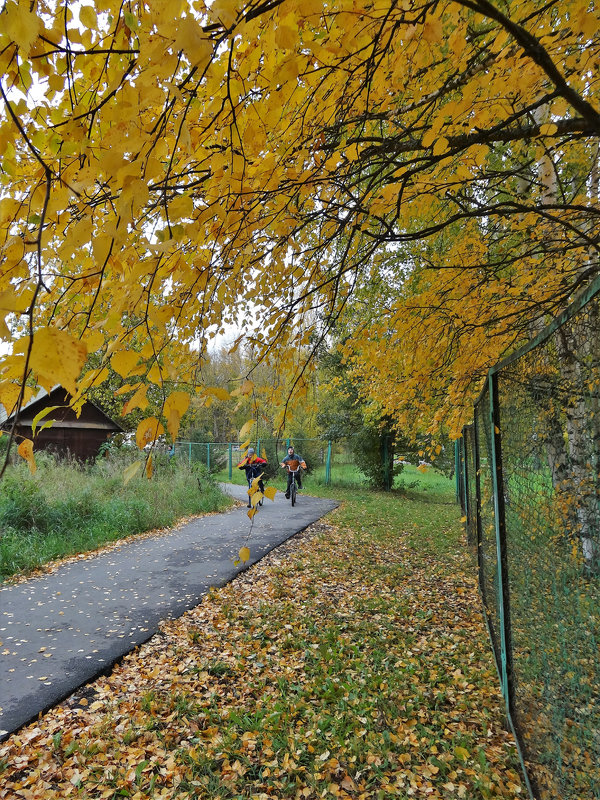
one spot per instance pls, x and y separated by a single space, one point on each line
339 666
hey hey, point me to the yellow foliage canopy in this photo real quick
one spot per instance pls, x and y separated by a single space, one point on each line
163 166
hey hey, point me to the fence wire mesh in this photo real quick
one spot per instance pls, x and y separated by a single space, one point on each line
325 460
549 409
470 483
488 551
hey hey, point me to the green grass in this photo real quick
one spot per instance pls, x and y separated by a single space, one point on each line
429 482
67 508
426 512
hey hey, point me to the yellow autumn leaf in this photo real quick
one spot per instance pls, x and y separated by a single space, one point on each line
286 37
91 378
244 553
270 492
94 340
194 43
429 138
22 25
131 471
4 330
218 392
127 387
14 302
101 248
137 400
257 496
176 405
9 395
180 207
251 512
245 429
87 17
43 413
25 450
461 753
56 358
155 374
432 30
124 362
148 432
440 146
225 11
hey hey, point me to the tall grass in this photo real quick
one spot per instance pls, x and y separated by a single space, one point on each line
68 508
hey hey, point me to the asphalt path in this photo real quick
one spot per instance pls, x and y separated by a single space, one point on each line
61 630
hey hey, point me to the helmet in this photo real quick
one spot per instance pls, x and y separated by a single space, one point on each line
250 451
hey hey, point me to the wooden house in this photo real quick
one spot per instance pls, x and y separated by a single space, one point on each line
69 434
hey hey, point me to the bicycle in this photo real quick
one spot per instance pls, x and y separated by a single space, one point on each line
252 474
261 488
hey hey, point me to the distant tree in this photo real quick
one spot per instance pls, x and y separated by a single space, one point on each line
345 416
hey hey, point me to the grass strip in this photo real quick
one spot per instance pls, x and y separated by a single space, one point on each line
352 662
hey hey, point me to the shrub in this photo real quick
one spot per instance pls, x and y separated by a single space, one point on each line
369 448
23 505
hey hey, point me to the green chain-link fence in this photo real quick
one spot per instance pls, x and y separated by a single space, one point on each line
324 459
530 488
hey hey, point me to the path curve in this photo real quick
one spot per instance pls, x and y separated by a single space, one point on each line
61 630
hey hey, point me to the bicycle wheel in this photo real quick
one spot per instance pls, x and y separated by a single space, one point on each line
293 492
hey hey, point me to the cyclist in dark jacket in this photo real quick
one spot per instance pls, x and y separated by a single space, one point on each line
293 461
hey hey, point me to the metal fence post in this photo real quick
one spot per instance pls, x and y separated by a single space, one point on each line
230 461
386 466
457 468
500 526
208 456
190 455
328 464
465 480
477 466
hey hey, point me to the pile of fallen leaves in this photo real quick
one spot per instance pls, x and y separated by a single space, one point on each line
340 666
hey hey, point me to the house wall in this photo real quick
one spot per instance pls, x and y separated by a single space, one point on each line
80 436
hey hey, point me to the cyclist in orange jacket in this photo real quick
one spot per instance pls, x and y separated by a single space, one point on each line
254 466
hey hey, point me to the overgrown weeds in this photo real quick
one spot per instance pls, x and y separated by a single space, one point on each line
68 508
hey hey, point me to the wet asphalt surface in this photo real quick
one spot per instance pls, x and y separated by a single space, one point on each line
61 630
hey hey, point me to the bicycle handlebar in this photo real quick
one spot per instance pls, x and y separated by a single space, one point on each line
288 465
